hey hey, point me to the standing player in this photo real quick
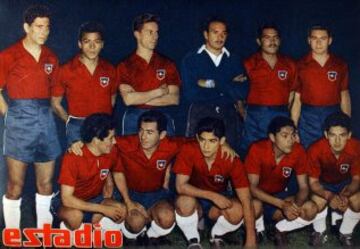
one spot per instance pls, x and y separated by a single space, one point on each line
201 181
83 178
322 86
212 78
27 69
334 163
147 79
269 165
271 80
87 81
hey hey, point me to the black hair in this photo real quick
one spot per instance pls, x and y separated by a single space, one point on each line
319 27
213 125
91 27
264 26
154 116
206 24
337 119
279 122
34 11
140 20
97 125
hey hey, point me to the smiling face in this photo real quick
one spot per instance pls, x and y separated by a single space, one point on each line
337 137
38 31
91 45
269 41
215 37
105 145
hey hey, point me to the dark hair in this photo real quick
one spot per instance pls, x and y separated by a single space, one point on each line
337 119
140 20
34 11
97 125
206 24
210 124
279 122
319 27
154 116
261 28
91 27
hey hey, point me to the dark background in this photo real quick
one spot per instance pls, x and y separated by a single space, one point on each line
180 32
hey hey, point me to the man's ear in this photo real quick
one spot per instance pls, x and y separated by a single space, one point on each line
258 42
326 134
272 137
330 40
26 27
350 134
222 140
163 134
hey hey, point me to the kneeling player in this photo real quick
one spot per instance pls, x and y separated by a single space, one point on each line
335 177
269 165
83 179
201 182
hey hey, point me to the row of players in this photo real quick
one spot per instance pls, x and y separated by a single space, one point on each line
212 79
147 208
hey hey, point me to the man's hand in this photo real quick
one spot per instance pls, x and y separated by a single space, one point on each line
227 152
135 206
115 213
290 210
76 148
164 89
338 202
240 78
221 201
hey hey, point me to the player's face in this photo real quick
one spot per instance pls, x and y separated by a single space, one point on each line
209 144
319 41
149 135
148 36
337 137
91 45
269 41
38 31
215 37
285 139
105 146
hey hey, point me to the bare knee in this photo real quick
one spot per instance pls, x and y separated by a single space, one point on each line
135 221
235 214
73 218
14 189
163 214
354 202
185 205
309 210
44 186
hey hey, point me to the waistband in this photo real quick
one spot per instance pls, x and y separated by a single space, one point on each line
329 107
27 102
268 108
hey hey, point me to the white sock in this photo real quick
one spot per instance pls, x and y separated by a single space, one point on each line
222 226
286 225
12 212
259 224
349 222
108 224
319 222
188 225
43 213
129 234
335 216
156 231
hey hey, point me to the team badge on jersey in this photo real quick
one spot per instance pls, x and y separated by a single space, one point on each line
282 74
161 164
344 168
104 173
286 171
218 178
104 81
160 74
48 68
332 75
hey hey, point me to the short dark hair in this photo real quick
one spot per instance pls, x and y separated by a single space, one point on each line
319 27
212 19
153 116
34 11
279 122
97 125
210 124
337 119
91 27
140 20
261 28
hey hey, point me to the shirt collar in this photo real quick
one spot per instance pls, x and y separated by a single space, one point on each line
203 47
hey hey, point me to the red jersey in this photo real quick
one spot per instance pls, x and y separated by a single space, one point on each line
136 72
324 166
88 173
191 162
85 93
146 174
273 178
23 76
269 86
321 86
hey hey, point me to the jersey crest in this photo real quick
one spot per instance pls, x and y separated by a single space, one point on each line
161 164
219 178
332 75
282 74
160 74
48 68
344 168
104 173
286 171
104 81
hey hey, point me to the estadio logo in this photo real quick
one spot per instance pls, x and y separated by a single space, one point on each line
88 237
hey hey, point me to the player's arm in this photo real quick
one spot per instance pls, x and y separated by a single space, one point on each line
183 187
167 176
319 190
113 100
171 98
3 104
303 191
70 201
58 108
345 103
132 97
291 99
249 215
108 188
352 188
296 108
